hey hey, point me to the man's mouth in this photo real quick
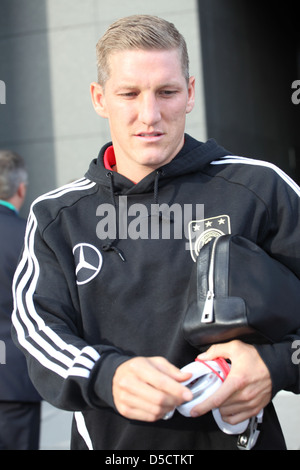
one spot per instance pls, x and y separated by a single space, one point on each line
149 134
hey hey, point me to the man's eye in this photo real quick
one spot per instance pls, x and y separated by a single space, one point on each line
168 92
129 94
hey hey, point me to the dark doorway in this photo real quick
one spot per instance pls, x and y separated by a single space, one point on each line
251 59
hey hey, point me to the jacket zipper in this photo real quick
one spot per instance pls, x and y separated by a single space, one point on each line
208 310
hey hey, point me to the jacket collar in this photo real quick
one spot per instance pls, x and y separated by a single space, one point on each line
7 206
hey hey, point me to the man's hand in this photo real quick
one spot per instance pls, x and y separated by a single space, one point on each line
246 390
147 388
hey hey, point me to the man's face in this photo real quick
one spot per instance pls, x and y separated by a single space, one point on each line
146 99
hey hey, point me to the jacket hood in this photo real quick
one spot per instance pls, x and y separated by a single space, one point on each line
193 157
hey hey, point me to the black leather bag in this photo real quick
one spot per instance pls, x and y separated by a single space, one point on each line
238 291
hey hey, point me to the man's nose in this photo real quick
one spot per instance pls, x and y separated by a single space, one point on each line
149 110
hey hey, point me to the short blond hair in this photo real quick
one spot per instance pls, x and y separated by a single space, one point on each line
144 32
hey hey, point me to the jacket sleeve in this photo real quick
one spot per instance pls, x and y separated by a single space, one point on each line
282 241
67 372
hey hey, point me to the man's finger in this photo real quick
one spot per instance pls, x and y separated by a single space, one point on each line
226 390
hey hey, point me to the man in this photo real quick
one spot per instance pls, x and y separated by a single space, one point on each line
19 401
100 296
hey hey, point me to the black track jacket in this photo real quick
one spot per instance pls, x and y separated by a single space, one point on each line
103 278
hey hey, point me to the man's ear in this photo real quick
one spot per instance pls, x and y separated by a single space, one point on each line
98 99
22 191
191 95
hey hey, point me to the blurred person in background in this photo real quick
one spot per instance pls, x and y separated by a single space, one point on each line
20 403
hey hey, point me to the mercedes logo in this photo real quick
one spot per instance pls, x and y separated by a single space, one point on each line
88 261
